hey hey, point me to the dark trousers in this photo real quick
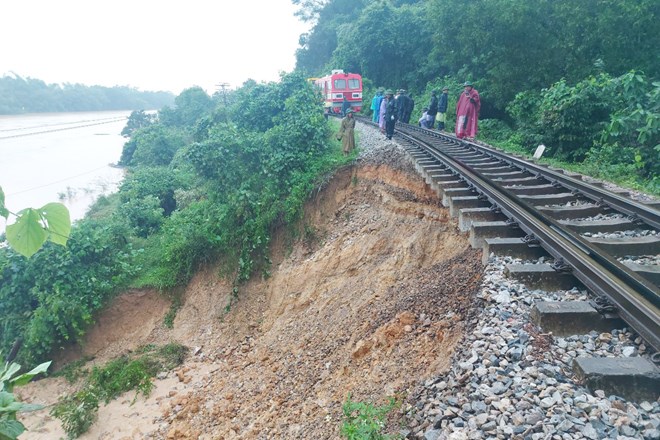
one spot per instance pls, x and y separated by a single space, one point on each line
389 129
432 122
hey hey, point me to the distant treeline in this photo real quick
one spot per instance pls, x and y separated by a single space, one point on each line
28 95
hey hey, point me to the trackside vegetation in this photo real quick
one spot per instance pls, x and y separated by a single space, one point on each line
366 421
580 77
208 180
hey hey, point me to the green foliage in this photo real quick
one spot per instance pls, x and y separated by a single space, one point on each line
366 421
635 123
507 46
78 411
154 145
612 125
256 172
138 119
188 239
33 227
10 427
329 18
74 370
124 374
50 299
168 320
191 105
379 45
4 212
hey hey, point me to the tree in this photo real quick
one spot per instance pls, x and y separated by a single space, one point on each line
190 105
138 119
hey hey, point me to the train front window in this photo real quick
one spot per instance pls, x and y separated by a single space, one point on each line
354 84
340 84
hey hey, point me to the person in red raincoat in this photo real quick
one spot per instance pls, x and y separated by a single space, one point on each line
467 112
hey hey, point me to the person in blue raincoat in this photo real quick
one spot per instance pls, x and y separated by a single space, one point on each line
375 105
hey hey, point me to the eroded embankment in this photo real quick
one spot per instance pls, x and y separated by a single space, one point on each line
372 300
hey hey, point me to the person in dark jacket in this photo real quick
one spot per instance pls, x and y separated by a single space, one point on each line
433 107
391 112
410 106
441 116
400 100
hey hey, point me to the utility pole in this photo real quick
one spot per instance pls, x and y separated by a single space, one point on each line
223 86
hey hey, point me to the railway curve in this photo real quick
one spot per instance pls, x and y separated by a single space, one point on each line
560 213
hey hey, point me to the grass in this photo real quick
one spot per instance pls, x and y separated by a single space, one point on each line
618 174
74 370
78 411
366 421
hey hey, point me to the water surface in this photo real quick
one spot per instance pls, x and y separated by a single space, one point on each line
60 157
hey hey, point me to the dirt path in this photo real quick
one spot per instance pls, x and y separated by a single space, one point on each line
371 301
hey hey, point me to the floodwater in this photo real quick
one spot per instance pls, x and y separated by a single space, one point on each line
60 157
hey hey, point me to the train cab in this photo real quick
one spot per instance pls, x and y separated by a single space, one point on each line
338 86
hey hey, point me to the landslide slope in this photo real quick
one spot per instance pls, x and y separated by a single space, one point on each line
371 300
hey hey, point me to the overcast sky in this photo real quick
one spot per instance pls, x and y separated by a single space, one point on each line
149 44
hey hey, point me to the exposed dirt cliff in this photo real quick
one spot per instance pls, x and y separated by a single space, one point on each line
370 300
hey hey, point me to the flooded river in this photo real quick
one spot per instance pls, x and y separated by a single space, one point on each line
60 157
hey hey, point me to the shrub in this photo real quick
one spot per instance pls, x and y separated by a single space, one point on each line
78 411
365 421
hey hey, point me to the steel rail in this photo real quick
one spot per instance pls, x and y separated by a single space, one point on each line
636 299
632 208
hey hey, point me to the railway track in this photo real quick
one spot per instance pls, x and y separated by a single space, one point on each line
607 241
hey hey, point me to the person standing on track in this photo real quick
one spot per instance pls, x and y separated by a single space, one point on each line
467 112
441 116
433 107
347 132
375 105
410 106
401 105
383 110
391 113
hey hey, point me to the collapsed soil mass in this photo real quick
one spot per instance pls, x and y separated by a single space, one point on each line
370 301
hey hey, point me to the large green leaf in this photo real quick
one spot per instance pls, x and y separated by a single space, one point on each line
29 407
26 377
6 374
58 222
3 211
27 235
10 429
8 403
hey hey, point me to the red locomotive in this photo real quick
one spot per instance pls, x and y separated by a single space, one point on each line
337 86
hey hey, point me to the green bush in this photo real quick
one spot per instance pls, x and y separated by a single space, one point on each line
78 411
49 300
366 421
153 145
